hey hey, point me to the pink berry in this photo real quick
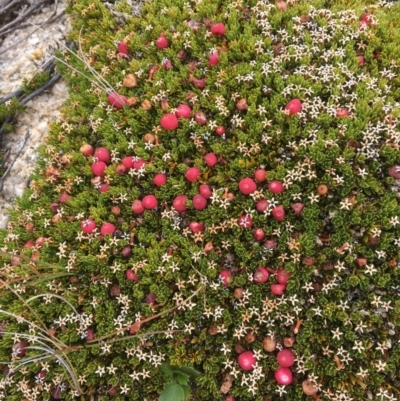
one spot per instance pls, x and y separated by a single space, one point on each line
258 234
298 208
220 130
128 162
122 48
200 118
282 277
19 349
160 179
245 221
361 60
137 206
260 175
88 226
366 18
278 289
138 163
260 275
107 228
179 203
87 150
283 376
149 202
131 275
276 187
294 107
192 174
183 111
169 122
394 172
246 360
64 197
104 188
162 42
210 159
247 186
116 100
270 244
196 227
262 205
120 169
102 155
213 59
29 244
98 168
285 358
199 202
218 29
225 277
342 112
278 212
205 190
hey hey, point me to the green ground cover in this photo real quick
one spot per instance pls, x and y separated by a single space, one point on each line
254 239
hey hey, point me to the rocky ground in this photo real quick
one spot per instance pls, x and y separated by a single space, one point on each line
22 53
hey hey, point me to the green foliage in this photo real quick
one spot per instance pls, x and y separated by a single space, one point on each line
154 289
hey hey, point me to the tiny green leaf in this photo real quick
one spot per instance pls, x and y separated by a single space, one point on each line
172 392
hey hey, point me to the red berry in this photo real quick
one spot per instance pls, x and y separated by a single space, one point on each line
225 277
131 275
220 130
192 174
213 59
29 244
262 205
122 48
159 179
260 275
19 349
162 42
205 190
149 202
169 122
246 360
137 206
278 289
179 203
258 234
285 358
196 227
98 168
218 29
116 100
342 112
127 162
245 221
294 106
107 228
88 226
210 159
282 277
278 212
283 376
200 118
199 202
276 187
260 175
247 186
361 59
366 18
102 155
87 150
183 111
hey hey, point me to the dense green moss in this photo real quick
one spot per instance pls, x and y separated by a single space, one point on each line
337 158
